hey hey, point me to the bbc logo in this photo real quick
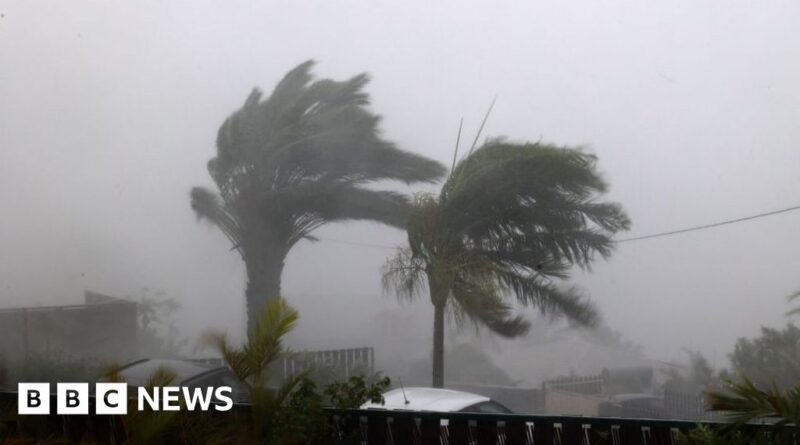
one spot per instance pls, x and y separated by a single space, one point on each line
72 398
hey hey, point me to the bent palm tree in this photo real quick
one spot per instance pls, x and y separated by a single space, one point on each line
294 161
509 219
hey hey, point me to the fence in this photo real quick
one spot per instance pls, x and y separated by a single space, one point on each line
93 331
598 395
592 384
379 427
347 361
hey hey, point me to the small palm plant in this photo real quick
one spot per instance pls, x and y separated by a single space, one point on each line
744 402
251 363
510 219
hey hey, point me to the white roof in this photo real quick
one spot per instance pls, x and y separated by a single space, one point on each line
427 399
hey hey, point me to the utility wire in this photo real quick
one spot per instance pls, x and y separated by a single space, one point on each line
624 240
709 226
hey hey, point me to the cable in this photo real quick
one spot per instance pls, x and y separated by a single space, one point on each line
624 240
709 226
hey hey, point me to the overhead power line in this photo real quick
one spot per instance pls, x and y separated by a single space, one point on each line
709 226
624 240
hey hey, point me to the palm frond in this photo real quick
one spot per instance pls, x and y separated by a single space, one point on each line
404 275
790 298
743 402
481 303
207 205
265 342
342 201
162 376
552 300
233 357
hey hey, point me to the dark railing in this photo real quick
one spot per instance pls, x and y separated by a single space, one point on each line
380 427
426 428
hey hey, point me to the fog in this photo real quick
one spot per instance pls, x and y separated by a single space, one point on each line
109 113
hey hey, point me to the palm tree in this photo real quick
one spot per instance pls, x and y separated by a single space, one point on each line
252 361
742 402
294 161
510 219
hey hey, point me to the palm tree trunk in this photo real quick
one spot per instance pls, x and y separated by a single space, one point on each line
438 346
263 285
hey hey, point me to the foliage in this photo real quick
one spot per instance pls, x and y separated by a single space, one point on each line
706 435
355 392
700 376
605 336
289 414
743 402
772 358
250 363
511 218
157 335
292 412
791 298
294 161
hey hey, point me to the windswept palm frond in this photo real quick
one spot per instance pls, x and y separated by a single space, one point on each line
209 206
481 303
742 402
265 342
146 427
792 297
404 275
510 219
552 300
300 158
233 357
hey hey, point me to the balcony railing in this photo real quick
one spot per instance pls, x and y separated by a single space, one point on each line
381 427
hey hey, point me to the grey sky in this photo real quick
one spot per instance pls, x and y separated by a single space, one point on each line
109 111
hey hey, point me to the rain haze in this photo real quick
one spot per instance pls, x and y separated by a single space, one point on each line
109 113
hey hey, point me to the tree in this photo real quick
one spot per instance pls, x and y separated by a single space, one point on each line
294 161
251 364
511 218
699 377
771 359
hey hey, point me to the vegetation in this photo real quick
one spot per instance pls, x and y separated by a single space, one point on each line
157 335
744 402
295 161
291 413
511 218
700 376
770 359
706 435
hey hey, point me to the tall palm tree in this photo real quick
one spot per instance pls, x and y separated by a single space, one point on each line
510 219
294 161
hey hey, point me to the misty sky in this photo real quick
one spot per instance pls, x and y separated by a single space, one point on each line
109 113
